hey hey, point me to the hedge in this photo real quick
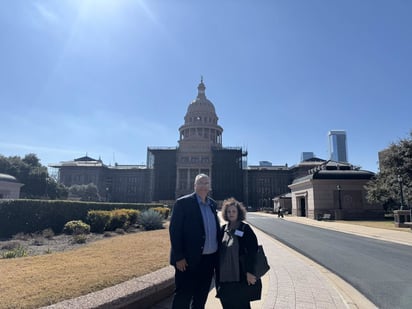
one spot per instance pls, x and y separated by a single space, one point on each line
29 216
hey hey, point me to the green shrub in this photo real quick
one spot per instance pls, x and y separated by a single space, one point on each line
99 220
164 211
76 227
19 251
118 219
151 220
79 239
132 215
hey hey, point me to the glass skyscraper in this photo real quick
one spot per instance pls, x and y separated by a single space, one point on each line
337 146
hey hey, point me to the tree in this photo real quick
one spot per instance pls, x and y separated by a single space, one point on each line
27 171
56 190
32 160
85 192
34 176
395 171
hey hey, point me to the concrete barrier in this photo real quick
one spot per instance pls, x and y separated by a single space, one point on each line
141 292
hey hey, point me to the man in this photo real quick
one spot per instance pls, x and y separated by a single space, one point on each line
194 229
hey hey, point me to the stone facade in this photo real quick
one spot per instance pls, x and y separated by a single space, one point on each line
198 136
118 183
334 189
200 150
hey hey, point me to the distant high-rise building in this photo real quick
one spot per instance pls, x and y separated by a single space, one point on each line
306 156
265 163
338 146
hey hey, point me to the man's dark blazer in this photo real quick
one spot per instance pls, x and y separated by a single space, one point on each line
187 231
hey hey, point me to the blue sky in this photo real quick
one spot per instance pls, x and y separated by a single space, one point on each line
110 78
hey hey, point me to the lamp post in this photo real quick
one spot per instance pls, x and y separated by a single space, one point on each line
339 199
400 180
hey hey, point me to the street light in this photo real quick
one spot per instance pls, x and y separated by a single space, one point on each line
339 199
400 180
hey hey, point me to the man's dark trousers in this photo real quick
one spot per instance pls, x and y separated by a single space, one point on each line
192 285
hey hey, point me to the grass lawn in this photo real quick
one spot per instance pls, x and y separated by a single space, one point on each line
32 282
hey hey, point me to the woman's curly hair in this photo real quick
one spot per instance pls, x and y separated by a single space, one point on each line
241 210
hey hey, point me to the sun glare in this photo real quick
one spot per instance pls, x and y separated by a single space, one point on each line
104 8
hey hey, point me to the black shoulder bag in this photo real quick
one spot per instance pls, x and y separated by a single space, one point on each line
261 266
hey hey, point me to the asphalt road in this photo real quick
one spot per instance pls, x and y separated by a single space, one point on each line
380 270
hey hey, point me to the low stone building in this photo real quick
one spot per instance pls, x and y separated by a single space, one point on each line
9 187
333 188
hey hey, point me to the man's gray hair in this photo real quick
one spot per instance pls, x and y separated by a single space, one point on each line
200 176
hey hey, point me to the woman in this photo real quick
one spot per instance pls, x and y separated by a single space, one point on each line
236 283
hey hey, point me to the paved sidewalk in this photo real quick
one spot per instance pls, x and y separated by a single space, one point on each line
292 282
295 281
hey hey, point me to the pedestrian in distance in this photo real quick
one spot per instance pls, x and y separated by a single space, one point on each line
236 283
194 235
280 212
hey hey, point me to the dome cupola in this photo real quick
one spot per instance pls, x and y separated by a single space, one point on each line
201 103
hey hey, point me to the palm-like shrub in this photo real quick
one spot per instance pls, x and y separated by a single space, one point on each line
151 220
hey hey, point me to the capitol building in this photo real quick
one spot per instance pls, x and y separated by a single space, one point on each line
170 171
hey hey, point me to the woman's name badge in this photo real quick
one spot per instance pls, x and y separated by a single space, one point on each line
239 233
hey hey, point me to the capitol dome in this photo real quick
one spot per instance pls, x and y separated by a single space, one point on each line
201 121
201 103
